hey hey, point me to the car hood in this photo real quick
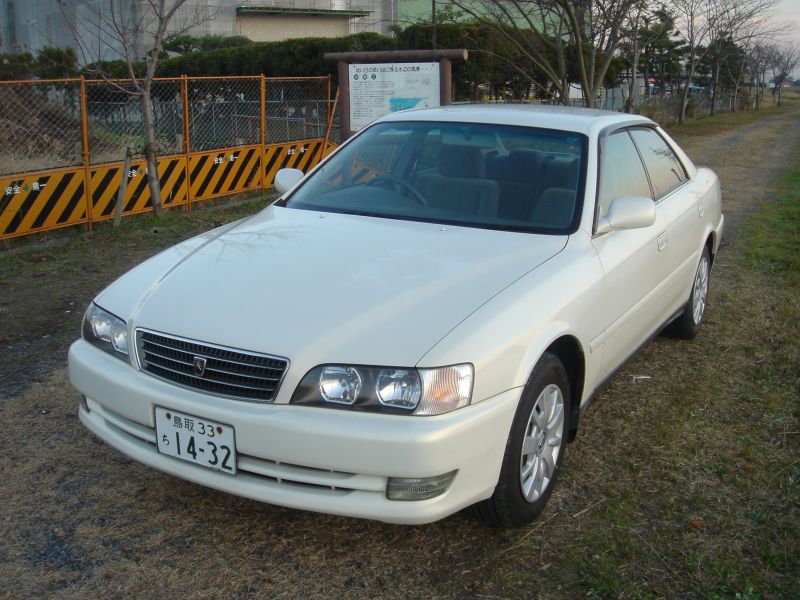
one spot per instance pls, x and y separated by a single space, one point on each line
324 287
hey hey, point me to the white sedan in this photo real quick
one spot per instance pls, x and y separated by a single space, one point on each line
417 325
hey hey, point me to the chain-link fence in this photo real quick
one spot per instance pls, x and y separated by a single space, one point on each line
662 108
667 108
115 122
296 109
224 112
40 125
43 126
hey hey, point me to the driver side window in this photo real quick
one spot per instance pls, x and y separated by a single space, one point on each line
621 171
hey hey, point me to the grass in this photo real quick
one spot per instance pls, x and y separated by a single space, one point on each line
684 485
774 244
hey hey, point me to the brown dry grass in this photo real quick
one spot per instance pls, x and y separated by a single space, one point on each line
683 485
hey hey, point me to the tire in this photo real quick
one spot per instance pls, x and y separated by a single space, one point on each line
540 428
689 322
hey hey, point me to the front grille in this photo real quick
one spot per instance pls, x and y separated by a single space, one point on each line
228 371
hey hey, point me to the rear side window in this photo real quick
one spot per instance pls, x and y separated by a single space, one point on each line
665 170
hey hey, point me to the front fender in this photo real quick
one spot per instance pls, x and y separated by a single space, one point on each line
505 338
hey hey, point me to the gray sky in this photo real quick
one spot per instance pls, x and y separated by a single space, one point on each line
788 12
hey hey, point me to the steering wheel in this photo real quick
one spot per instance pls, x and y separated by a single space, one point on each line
383 179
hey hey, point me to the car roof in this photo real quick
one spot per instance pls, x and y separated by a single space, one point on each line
567 118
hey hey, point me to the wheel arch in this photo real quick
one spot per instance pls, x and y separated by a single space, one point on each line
711 240
569 351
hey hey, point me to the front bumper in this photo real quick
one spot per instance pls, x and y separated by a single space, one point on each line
324 460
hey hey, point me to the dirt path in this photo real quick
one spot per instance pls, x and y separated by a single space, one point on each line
659 497
747 160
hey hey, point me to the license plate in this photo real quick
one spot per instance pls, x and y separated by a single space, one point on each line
196 440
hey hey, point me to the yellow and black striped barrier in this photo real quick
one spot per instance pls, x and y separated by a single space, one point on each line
39 201
222 172
32 202
329 147
104 182
295 155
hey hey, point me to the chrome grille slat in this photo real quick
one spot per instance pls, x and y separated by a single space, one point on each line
171 352
208 377
218 387
228 371
181 374
167 355
210 370
212 367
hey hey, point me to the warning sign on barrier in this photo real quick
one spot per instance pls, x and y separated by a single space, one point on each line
223 172
33 202
295 155
105 181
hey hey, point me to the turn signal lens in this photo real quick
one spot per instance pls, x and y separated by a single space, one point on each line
445 389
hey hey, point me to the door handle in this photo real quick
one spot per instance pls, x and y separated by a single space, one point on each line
663 240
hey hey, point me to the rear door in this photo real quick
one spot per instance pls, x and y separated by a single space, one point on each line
633 264
681 202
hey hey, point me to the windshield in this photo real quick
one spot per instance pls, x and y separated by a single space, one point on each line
477 175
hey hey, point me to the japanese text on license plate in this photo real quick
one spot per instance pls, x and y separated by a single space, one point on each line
196 440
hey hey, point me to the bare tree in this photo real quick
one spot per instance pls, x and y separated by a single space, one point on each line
758 60
639 34
783 61
740 22
706 25
553 34
132 31
738 75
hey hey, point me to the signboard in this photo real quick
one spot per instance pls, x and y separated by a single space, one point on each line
378 89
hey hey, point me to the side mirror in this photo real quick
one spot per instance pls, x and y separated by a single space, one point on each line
628 212
286 179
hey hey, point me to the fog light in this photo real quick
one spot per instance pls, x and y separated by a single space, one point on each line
418 488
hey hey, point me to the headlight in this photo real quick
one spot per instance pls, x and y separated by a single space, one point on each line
339 384
384 389
106 331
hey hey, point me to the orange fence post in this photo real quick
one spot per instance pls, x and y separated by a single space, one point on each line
329 127
263 126
330 112
185 125
85 141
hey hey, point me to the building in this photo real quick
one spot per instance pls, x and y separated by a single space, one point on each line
30 25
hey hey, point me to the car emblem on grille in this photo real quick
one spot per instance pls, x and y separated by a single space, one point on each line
199 366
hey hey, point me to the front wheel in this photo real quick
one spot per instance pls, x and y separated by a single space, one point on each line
534 449
688 324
